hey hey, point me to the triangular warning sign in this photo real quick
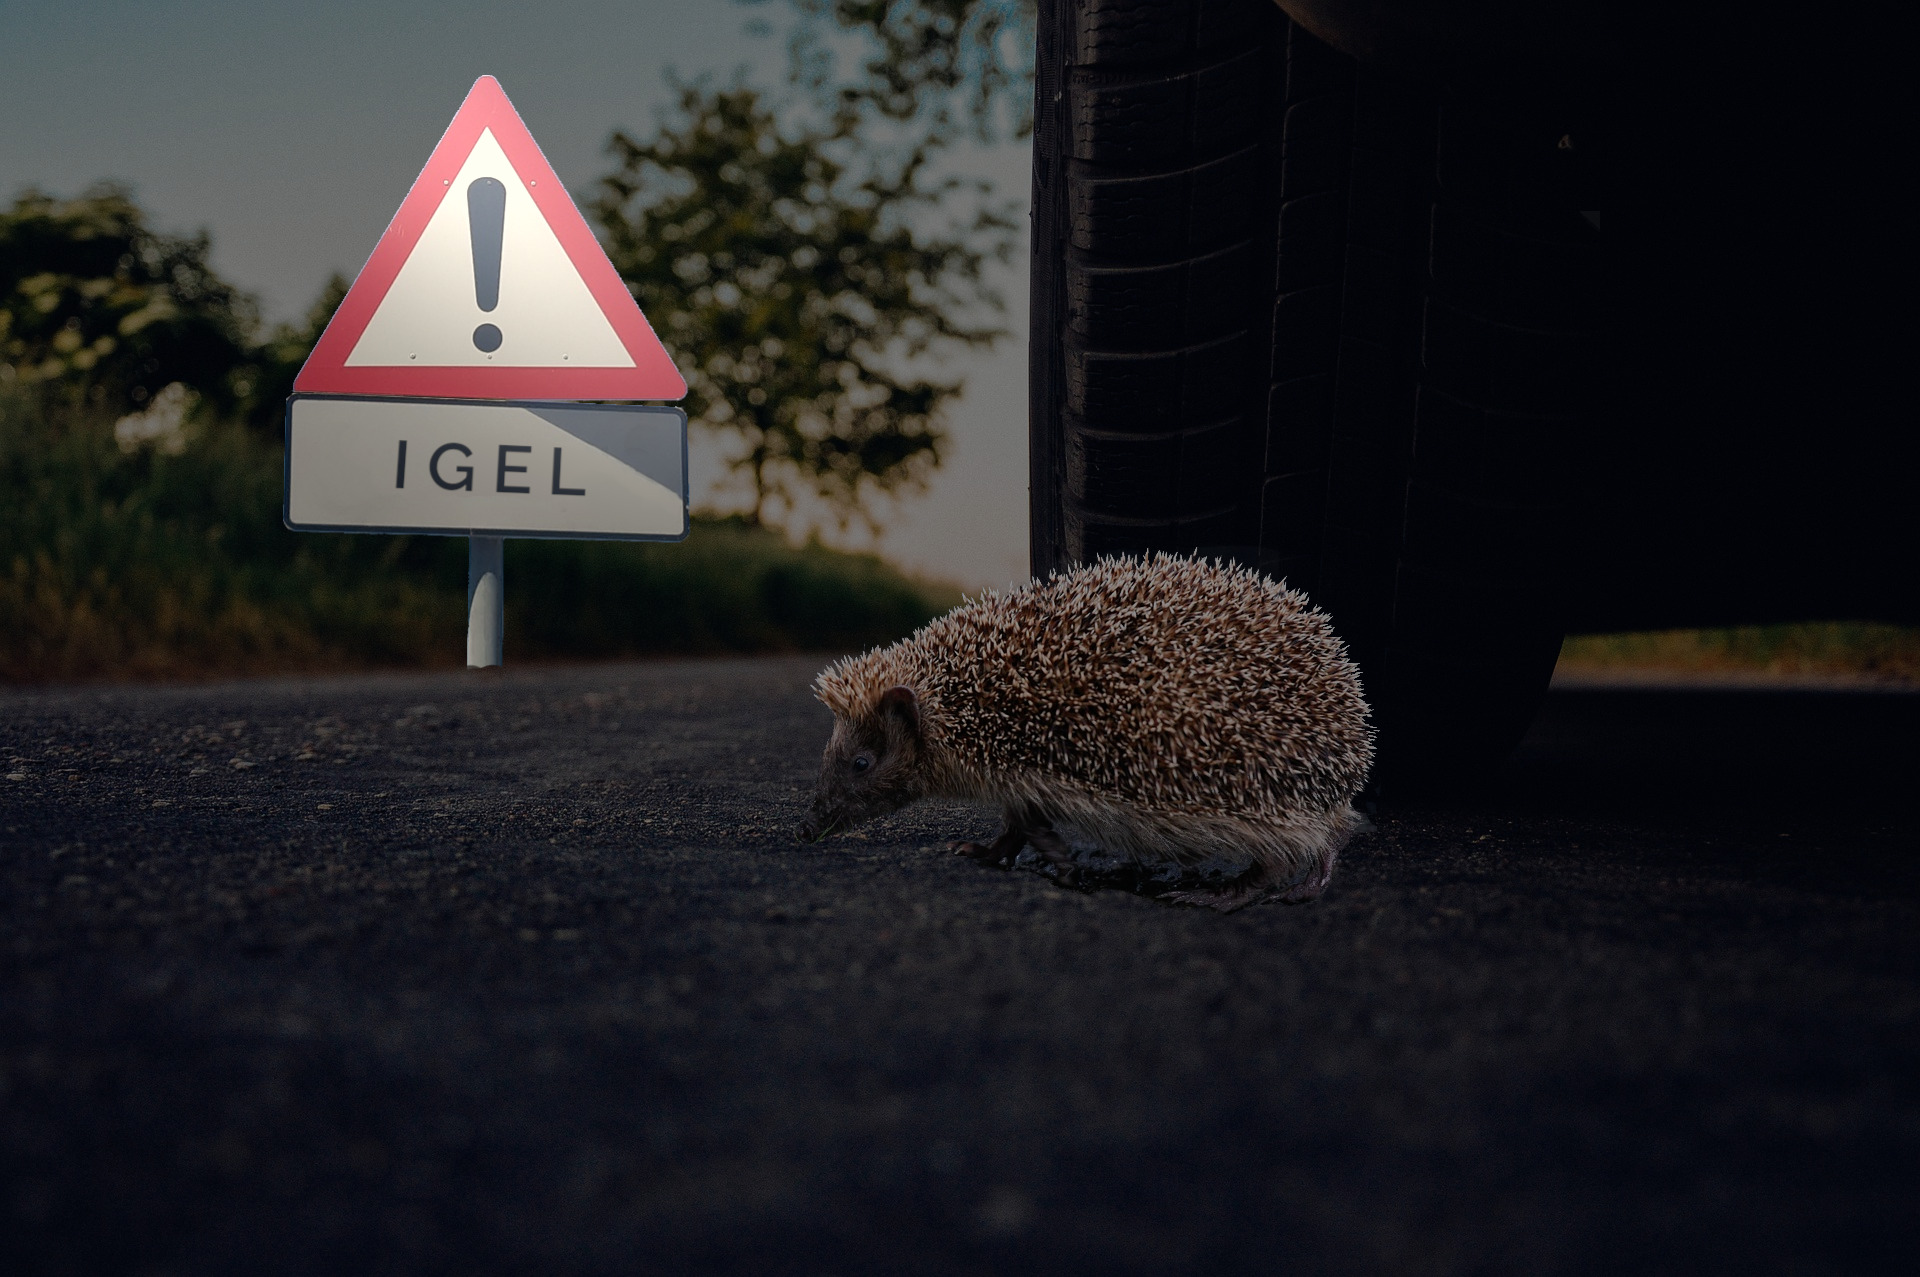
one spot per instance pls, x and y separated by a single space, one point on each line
488 284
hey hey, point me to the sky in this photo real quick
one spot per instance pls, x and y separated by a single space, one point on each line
290 133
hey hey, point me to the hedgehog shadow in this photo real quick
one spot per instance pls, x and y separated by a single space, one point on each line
1092 870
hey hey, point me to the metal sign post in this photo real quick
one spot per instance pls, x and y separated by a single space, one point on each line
486 600
446 395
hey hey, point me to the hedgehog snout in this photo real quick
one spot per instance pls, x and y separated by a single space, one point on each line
818 822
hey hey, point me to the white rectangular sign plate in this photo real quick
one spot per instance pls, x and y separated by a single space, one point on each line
462 467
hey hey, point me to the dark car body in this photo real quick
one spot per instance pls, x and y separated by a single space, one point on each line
1482 323
1757 460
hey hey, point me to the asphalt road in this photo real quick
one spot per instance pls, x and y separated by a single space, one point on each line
525 973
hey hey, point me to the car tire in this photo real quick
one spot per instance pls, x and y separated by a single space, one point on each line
1336 325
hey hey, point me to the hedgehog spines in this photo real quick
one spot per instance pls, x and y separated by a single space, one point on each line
1134 692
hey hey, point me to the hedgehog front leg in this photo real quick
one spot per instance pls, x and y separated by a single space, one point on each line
1054 850
1001 851
1018 833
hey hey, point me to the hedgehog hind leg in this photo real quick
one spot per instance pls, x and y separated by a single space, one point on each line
1293 863
1347 825
1250 885
1319 874
1257 882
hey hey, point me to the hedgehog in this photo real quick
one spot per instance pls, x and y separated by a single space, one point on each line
1165 709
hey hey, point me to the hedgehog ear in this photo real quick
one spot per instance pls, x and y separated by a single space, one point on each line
902 701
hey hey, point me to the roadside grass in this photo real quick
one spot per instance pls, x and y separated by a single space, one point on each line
150 564
1883 652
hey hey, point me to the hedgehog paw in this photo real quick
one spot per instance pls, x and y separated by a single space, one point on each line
980 851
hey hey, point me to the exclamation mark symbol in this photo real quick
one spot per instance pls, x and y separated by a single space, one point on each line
486 222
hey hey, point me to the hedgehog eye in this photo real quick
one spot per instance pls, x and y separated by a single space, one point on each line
862 761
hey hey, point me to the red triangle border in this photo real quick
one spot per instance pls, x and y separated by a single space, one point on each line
653 375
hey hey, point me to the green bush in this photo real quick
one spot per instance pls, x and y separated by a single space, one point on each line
727 588
149 563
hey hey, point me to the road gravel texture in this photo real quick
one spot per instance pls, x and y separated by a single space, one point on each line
525 972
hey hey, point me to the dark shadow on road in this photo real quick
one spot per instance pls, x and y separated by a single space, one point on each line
1816 766
1850 755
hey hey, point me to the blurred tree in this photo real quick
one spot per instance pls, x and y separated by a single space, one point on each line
98 308
277 360
943 63
797 291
